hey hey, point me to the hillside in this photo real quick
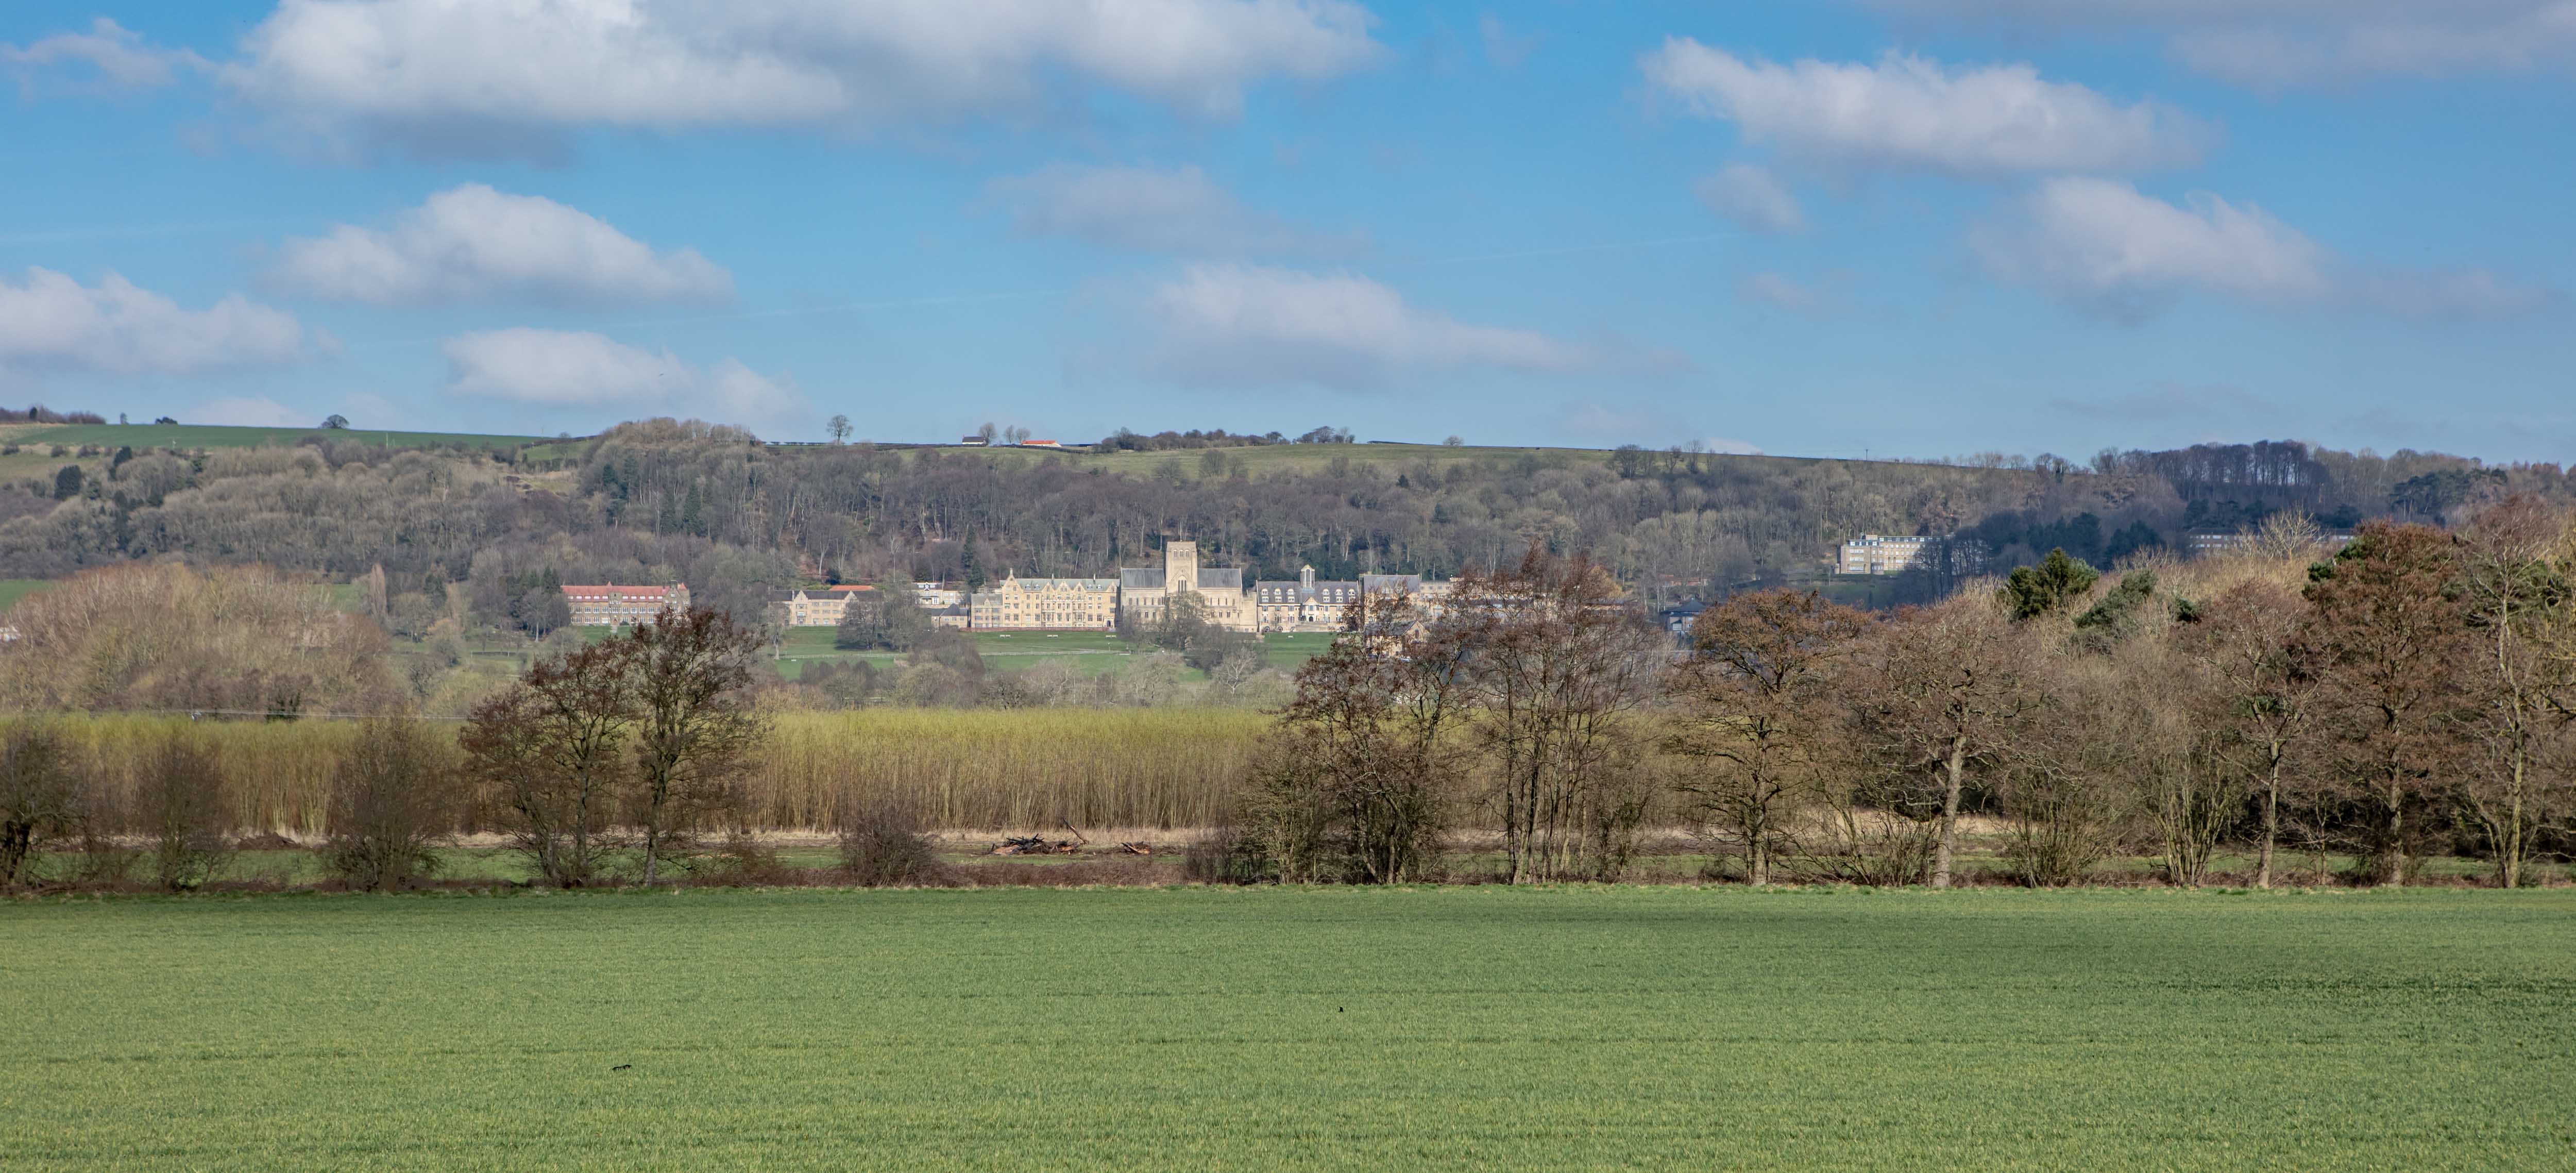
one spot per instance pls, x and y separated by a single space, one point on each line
469 526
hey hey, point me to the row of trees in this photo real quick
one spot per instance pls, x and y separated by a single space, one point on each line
2411 695
599 757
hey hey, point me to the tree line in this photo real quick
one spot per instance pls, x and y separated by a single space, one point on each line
2409 695
608 760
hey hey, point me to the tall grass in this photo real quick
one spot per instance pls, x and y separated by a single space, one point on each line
949 768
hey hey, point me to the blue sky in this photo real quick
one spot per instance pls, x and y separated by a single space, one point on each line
1900 227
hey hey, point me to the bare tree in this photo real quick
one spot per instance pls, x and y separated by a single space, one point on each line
391 801
1944 691
695 730
838 427
2259 695
41 797
1557 662
186 812
2389 641
1359 779
2514 597
1756 712
551 747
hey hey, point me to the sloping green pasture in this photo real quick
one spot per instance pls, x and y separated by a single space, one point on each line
1473 1028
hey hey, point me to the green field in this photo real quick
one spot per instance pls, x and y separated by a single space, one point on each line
141 436
14 589
1476 1028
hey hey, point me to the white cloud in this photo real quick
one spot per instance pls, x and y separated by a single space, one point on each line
1237 324
471 242
2275 43
566 368
2104 247
1910 113
466 76
49 321
1753 198
256 411
116 56
1175 211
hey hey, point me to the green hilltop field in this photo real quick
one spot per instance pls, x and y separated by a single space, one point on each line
1479 1028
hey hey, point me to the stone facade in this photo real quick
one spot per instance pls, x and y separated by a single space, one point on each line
1303 604
1049 604
1145 593
618 606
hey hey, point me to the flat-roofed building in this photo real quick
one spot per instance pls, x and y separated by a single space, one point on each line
1874 554
618 606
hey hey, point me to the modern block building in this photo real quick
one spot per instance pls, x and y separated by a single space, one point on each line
1873 554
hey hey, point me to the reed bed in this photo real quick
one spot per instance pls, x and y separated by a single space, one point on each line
967 769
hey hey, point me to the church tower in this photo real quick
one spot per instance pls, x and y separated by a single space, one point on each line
1180 566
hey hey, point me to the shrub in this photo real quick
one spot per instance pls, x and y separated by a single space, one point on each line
390 802
882 847
741 859
181 803
1226 856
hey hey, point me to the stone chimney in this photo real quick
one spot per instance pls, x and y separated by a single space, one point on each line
1306 579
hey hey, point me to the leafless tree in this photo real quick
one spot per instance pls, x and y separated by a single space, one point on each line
2514 597
392 796
1360 777
2259 696
41 797
187 814
1945 691
552 749
1558 661
689 677
1756 715
2390 642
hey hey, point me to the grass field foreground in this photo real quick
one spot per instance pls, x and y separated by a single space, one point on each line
1482 1028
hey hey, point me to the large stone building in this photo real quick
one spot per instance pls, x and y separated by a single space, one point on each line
618 606
1302 604
1057 604
823 607
1145 593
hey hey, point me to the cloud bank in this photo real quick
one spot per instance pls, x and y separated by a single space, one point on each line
448 76
472 243
51 322
2274 44
567 368
1909 113
2105 248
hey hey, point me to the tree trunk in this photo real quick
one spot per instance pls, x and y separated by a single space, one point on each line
2396 877
1948 846
2271 828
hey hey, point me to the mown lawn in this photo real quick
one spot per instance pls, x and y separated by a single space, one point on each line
1477 1028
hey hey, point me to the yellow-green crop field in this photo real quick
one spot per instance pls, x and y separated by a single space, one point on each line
1287 1029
